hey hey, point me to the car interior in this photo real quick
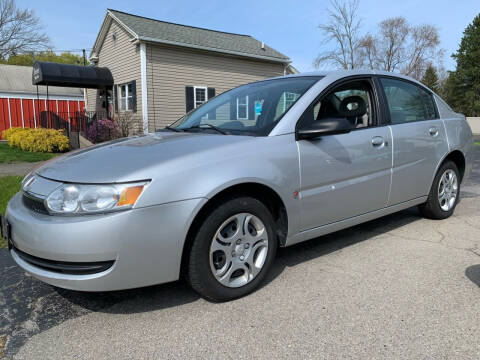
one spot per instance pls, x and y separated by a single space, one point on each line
351 101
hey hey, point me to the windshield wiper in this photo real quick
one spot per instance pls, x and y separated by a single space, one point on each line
208 126
173 129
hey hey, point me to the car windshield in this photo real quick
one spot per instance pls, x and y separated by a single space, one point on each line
251 109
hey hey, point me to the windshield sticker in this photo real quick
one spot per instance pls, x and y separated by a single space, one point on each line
258 107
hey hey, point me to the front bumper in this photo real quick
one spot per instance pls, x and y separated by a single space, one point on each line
142 246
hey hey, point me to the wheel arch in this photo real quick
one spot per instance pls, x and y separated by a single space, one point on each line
264 193
458 157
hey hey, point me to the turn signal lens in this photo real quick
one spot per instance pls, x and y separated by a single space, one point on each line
130 195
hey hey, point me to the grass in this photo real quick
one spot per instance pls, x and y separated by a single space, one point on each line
9 186
477 143
10 155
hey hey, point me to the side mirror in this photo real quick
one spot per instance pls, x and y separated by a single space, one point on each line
327 126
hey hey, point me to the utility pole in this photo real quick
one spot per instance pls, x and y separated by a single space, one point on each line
85 94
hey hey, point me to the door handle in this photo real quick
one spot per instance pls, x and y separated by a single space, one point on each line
433 131
378 141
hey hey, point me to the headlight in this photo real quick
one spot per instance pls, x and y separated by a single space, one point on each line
87 199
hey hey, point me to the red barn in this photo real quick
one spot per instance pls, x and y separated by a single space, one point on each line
21 107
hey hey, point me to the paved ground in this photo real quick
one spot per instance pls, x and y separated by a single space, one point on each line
397 287
19 169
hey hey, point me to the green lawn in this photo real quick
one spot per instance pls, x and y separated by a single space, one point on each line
10 155
477 143
9 185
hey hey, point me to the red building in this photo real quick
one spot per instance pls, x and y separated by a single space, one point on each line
21 107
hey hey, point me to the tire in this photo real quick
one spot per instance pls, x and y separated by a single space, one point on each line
224 263
437 209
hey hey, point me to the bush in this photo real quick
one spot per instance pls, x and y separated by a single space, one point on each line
102 130
37 140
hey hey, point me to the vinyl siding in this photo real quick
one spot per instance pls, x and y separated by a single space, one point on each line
170 69
122 57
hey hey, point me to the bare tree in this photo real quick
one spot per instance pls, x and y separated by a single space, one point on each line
401 47
368 51
392 42
422 50
342 29
20 30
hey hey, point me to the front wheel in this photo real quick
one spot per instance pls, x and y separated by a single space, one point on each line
444 194
233 249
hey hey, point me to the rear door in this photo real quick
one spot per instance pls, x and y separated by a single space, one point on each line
419 140
344 175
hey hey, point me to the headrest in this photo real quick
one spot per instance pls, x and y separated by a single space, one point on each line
353 106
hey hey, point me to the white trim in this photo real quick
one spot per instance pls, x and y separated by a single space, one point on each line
195 94
68 110
102 34
246 108
143 71
34 96
21 109
35 114
57 105
9 113
133 33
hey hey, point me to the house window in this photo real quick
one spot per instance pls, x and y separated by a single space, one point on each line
126 97
195 96
200 95
289 100
242 108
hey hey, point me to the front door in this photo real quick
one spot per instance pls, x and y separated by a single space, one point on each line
345 175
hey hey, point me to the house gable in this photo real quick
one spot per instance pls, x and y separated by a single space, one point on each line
121 55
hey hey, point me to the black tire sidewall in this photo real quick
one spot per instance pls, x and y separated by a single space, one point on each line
200 274
437 211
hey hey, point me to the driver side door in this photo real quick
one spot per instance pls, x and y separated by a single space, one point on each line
347 174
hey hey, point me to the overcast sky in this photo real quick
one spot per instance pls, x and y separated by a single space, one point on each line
288 26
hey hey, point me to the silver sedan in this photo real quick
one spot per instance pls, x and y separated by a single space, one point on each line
212 196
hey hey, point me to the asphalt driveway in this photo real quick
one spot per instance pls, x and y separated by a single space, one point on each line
397 287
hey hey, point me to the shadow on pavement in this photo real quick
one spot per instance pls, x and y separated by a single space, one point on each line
473 273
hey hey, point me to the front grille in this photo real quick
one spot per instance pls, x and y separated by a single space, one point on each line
64 267
35 204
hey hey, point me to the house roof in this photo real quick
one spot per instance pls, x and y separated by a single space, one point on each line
18 79
151 30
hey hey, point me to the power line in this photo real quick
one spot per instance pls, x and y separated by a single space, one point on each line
57 50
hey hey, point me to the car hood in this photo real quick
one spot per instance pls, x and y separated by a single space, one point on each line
136 158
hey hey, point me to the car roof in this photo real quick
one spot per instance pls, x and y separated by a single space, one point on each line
345 73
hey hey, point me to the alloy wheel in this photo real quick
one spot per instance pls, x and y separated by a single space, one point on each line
448 190
238 250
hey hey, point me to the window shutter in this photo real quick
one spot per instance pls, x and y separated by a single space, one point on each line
189 98
251 108
134 95
115 100
233 109
212 115
210 93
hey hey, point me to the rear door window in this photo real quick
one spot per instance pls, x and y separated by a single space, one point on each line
407 102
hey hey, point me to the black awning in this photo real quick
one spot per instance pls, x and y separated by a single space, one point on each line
55 74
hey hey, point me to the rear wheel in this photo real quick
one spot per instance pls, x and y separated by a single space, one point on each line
444 194
233 250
